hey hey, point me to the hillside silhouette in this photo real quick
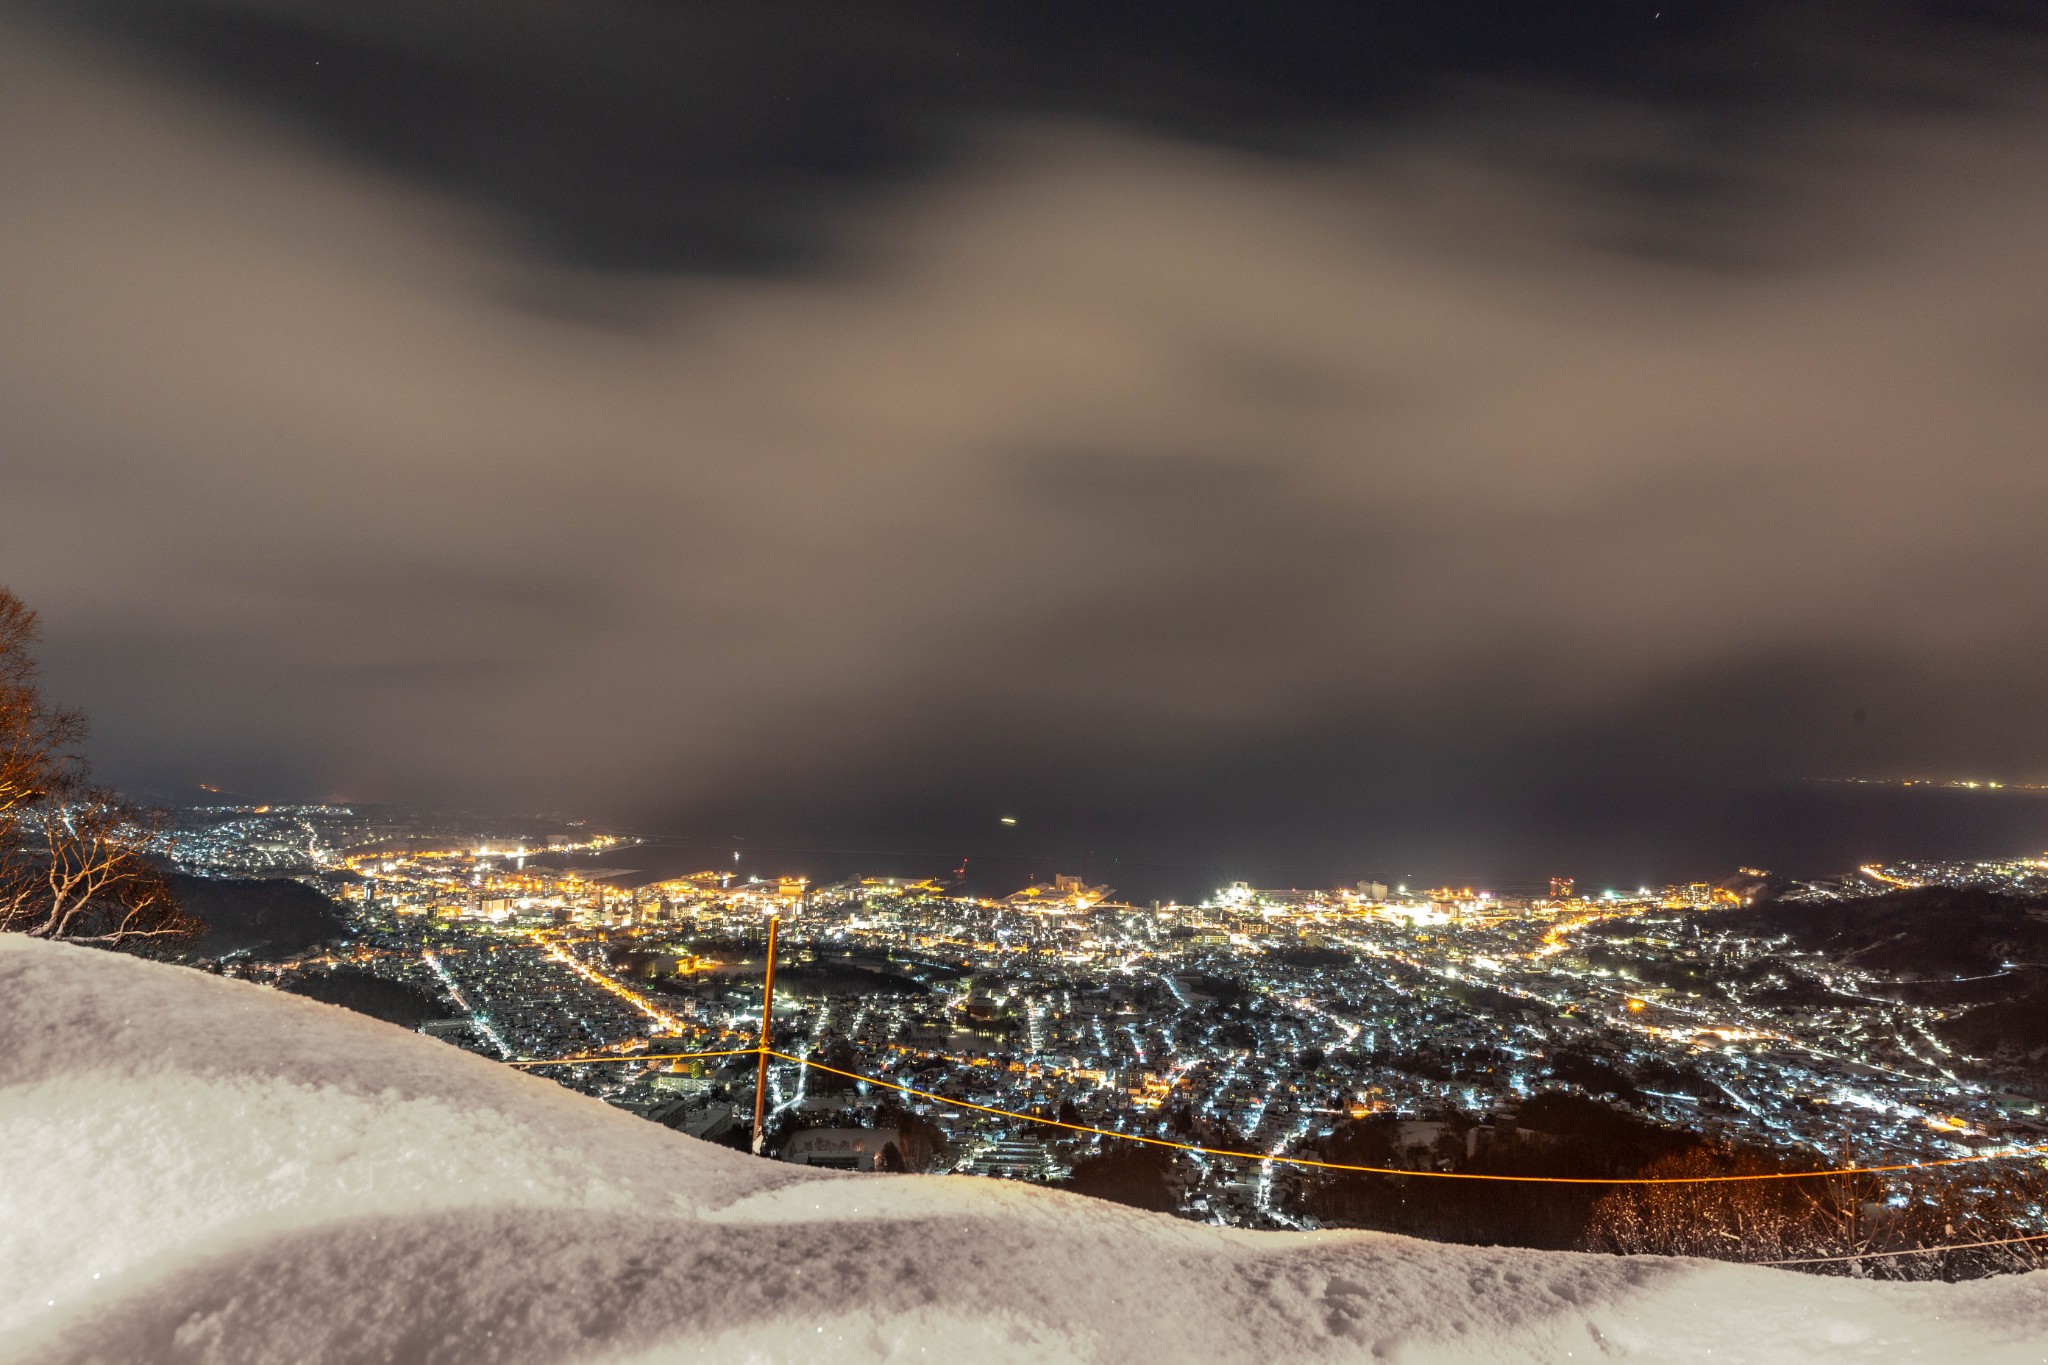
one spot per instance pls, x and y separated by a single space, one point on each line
269 920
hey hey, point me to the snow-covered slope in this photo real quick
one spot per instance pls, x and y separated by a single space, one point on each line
194 1169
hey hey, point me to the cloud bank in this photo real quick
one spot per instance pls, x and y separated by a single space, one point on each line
1528 436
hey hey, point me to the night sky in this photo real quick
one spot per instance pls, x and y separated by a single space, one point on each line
1450 437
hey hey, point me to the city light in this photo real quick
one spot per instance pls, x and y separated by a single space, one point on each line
1272 1016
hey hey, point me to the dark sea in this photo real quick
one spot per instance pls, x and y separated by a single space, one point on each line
1619 839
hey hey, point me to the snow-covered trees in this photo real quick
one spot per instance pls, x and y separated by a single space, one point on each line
1728 1219
1942 1224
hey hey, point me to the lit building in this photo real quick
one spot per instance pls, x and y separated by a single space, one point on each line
846 1149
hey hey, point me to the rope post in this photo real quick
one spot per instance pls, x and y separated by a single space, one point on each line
1849 1198
767 1018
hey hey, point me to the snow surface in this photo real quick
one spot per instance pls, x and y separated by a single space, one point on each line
194 1169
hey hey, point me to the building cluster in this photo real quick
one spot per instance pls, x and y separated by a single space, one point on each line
1255 1021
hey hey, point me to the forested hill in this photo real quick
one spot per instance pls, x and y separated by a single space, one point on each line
1979 955
1927 932
269 919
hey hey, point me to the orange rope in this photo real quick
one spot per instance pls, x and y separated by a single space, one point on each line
1911 1251
1302 1161
1395 1170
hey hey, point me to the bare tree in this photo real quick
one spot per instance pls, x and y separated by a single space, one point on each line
1933 1225
1996 1216
1730 1220
38 743
74 857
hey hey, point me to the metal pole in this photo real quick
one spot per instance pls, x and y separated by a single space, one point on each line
767 1018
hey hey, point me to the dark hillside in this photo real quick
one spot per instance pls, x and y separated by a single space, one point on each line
270 919
1980 952
394 1002
1927 932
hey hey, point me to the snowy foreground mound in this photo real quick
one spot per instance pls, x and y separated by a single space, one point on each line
194 1169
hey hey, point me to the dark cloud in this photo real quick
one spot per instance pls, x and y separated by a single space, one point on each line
1326 430
716 136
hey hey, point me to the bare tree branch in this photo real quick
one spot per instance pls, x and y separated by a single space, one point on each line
74 858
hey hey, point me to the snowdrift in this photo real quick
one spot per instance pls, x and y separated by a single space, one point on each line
194 1169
